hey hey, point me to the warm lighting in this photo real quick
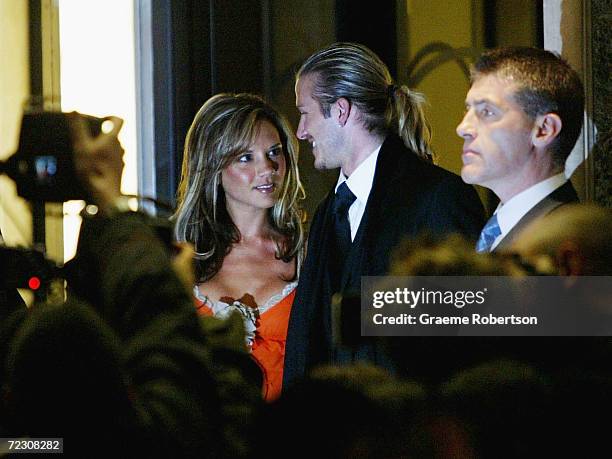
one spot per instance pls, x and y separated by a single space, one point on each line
98 78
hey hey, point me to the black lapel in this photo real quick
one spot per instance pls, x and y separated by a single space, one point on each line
320 235
384 179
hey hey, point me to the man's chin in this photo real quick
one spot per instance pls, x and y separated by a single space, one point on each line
468 176
319 164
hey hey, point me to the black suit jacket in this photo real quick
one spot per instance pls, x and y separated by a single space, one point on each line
565 194
408 196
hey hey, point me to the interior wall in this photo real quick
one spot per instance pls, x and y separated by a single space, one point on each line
517 23
601 36
457 24
299 28
45 31
580 31
15 218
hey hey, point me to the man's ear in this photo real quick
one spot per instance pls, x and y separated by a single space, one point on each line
570 260
547 129
344 110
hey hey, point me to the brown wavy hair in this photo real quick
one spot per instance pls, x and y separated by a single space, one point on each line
224 127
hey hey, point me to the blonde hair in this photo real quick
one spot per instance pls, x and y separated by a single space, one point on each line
223 128
354 72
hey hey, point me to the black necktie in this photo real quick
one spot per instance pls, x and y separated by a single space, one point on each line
342 201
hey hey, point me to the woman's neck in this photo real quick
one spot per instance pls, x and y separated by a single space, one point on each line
252 225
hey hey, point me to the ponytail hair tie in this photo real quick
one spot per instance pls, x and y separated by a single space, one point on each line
391 90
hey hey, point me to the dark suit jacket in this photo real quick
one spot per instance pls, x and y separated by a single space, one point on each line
565 194
408 196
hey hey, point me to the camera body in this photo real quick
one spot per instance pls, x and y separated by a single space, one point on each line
44 170
43 167
25 268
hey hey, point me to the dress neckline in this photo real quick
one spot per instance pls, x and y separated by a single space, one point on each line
216 306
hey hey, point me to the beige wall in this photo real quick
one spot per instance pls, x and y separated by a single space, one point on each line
15 219
446 86
15 214
517 23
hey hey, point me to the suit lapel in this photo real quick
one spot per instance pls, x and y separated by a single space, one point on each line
355 264
322 282
370 234
565 194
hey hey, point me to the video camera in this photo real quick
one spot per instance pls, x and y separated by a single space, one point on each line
43 169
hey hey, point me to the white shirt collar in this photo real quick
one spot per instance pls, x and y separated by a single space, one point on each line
509 214
361 180
360 183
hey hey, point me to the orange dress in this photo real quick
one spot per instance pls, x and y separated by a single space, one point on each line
266 332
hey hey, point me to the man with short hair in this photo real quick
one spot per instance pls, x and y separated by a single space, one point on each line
523 116
574 241
357 119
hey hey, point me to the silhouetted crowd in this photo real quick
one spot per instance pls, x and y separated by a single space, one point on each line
126 367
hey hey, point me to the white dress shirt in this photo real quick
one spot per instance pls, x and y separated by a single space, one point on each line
509 214
360 184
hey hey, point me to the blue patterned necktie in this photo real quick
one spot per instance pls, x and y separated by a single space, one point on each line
488 235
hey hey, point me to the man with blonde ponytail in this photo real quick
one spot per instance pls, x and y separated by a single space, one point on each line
358 119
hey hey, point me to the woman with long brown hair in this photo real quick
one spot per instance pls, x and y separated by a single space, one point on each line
238 205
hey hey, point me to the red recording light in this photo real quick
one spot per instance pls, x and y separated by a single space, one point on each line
34 283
